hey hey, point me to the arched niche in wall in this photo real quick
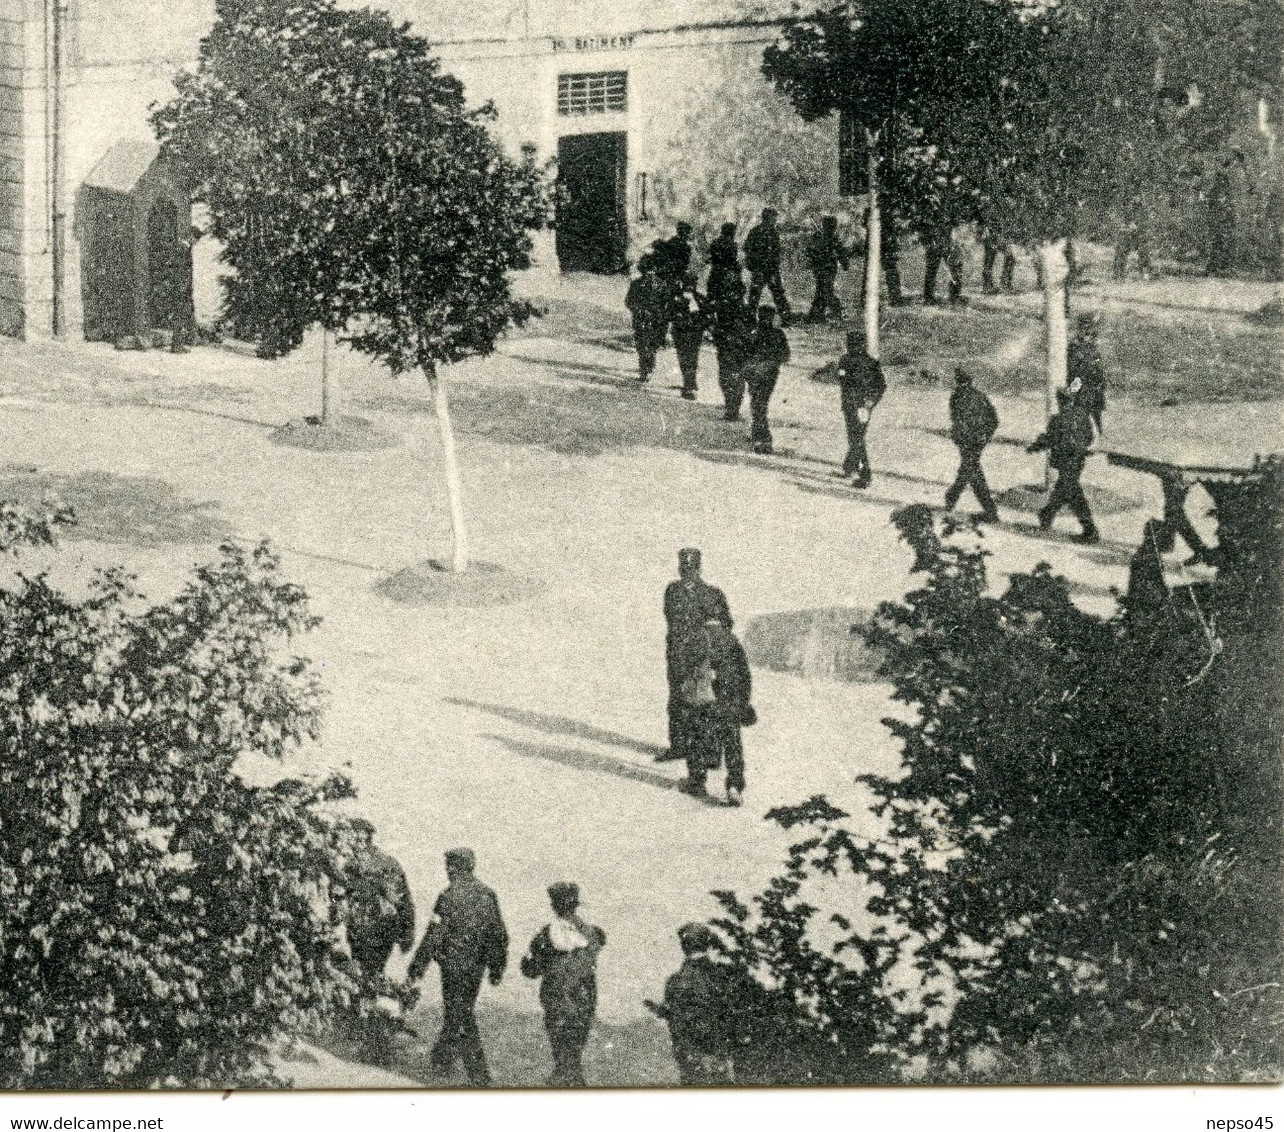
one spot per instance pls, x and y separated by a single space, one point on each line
133 221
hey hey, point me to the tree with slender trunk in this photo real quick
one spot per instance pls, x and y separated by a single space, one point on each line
351 188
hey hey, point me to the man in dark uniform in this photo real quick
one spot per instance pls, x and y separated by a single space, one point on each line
1221 221
701 1007
648 302
467 938
673 256
940 247
825 254
1067 440
768 352
861 386
733 328
763 259
689 603
994 246
973 423
1085 369
689 318
1133 236
381 912
720 693
725 287
563 956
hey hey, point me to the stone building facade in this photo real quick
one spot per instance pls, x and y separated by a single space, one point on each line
648 110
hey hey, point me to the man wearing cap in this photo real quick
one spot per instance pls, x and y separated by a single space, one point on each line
1067 440
689 603
563 956
381 912
763 259
647 300
1085 369
718 696
861 386
467 938
973 423
700 1007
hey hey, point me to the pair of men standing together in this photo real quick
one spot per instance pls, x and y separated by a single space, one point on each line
709 681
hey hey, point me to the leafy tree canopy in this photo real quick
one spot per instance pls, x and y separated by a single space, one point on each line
166 917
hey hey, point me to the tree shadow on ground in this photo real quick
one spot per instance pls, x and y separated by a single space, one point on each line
560 725
635 1053
139 511
579 759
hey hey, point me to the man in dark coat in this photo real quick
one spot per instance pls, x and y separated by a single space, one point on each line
719 692
1067 440
381 912
701 1007
467 938
689 319
1085 369
1133 235
673 256
825 255
733 328
689 603
940 247
725 287
563 956
768 352
763 259
648 302
1221 221
861 386
973 423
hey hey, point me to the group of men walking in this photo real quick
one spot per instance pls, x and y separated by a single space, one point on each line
973 423
665 299
467 938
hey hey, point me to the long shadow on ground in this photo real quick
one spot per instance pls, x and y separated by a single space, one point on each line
559 725
140 511
579 759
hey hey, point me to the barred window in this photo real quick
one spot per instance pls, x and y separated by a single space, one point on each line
598 93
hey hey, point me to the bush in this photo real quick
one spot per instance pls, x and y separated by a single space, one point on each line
1086 806
165 919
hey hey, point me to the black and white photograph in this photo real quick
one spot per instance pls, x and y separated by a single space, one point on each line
644 544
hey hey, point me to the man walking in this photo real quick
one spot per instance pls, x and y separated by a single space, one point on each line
825 254
648 302
763 259
732 339
689 604
381 912
689 318
768 352
973 423
1067 440
725 287
701 1005
1086 371
673 256
861 386
563 956
719 690
467 938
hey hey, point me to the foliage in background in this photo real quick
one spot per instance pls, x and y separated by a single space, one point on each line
1081 860
164 919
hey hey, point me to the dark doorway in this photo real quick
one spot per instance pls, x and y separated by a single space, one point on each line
592 224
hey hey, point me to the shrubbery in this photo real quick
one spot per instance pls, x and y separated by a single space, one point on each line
1078 874
165 919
